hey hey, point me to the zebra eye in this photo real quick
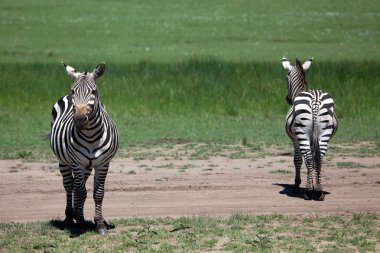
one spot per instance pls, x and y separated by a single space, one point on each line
93 92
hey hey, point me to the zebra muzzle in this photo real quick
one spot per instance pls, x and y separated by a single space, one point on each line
80 116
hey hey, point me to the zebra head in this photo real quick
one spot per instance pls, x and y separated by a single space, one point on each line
85 95
296 77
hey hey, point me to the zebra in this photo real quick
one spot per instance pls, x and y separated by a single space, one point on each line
310 124
83 137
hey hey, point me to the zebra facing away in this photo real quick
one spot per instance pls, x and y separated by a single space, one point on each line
310 124
83 137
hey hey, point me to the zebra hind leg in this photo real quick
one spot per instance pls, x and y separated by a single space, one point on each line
297 165
309 184
320 196
99 181
308 158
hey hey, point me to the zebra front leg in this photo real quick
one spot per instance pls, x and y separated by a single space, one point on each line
99 181
68 181
297 165
80 193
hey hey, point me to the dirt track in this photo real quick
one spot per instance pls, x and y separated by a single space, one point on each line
217 186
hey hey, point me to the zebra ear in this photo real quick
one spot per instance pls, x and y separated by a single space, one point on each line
307 64
286 64
99 70
70 71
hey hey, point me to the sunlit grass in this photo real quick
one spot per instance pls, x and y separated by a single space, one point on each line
240 30
236 233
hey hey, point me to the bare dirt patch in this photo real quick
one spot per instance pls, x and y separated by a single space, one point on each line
173 182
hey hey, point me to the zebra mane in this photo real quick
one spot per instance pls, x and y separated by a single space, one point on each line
301 71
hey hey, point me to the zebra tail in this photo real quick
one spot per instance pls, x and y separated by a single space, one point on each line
315 140
45 136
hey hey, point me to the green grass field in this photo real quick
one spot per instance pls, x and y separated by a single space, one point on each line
202 71
242 30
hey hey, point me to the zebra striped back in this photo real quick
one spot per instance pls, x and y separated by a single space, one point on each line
83 137
310 123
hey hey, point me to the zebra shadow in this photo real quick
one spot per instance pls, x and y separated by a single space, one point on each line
74 230
288 191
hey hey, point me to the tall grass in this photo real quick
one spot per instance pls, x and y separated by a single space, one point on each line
231 89
199 99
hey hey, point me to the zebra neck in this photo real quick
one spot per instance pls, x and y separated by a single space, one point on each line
296 90
96 126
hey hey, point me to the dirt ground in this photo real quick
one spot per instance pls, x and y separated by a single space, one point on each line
173 186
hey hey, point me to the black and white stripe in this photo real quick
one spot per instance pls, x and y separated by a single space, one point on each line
83 137
310 124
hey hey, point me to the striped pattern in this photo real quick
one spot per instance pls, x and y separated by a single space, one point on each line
310 124
83 137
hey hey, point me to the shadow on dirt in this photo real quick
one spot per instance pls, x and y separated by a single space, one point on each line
75 230
288 190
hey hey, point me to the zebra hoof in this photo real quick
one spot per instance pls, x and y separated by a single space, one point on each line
69 222
320 196
307 195
80 223
101 229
